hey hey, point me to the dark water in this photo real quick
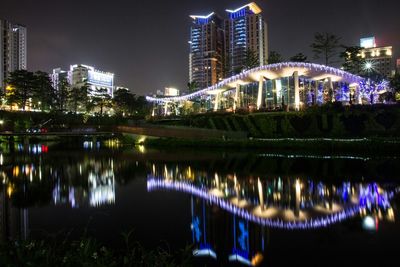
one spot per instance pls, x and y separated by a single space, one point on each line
233 208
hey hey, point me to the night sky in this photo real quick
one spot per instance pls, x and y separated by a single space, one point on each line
145 43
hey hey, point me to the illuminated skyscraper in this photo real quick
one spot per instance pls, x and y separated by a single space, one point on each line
13 49
219 48
206 50
246 30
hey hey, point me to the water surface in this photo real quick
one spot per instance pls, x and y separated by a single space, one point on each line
232 208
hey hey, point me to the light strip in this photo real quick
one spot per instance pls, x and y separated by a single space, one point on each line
252 6
273 67
202 17
153 184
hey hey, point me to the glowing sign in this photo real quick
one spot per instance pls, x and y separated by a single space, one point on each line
100 78
368 42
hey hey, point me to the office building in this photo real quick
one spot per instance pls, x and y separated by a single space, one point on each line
245 30
206 65
378 59
80 74
13 49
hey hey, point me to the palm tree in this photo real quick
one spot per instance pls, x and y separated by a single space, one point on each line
325 46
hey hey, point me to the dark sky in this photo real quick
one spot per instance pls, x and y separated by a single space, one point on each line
145 42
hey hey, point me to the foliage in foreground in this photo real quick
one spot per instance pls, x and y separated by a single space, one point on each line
87 252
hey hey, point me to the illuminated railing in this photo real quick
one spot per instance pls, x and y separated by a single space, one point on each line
245 74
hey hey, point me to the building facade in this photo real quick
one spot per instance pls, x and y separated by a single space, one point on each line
13 49
79 74
219 48
378 59
246 30
206 65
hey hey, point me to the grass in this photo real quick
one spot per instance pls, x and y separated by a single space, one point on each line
87 252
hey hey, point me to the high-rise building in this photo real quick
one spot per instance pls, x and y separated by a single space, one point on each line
246 30
378 59
13 49
398 65
78 75
206 66
58 75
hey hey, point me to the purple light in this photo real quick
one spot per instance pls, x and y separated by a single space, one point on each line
310 66
154 184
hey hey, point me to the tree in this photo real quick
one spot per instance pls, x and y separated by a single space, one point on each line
123 101
192 86
395 84
101 99
20 89
141 107
353 62
78 95
325 46
44 93
299 57
62 94
274 57
250 60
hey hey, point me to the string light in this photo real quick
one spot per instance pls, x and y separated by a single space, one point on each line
154 184
351 78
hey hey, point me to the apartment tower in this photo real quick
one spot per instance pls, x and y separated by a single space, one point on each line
13 49
206 65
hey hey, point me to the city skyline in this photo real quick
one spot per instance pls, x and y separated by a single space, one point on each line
135 53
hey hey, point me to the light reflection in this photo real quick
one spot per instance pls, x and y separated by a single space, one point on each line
257 204
308 205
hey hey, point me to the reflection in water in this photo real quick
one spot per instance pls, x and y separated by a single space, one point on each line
27 181
285 203
100 186
236 201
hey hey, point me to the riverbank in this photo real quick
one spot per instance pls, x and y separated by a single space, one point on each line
370 146
328 121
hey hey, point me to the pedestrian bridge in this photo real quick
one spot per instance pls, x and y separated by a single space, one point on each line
291 80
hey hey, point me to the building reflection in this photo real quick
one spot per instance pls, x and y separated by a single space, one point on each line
97 190
14 221
253 205
86 182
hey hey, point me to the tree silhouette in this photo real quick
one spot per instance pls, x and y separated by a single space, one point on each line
325 46
353 62
20 85
299 57
274 57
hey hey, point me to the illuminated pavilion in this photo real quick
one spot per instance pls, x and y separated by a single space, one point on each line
287 86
